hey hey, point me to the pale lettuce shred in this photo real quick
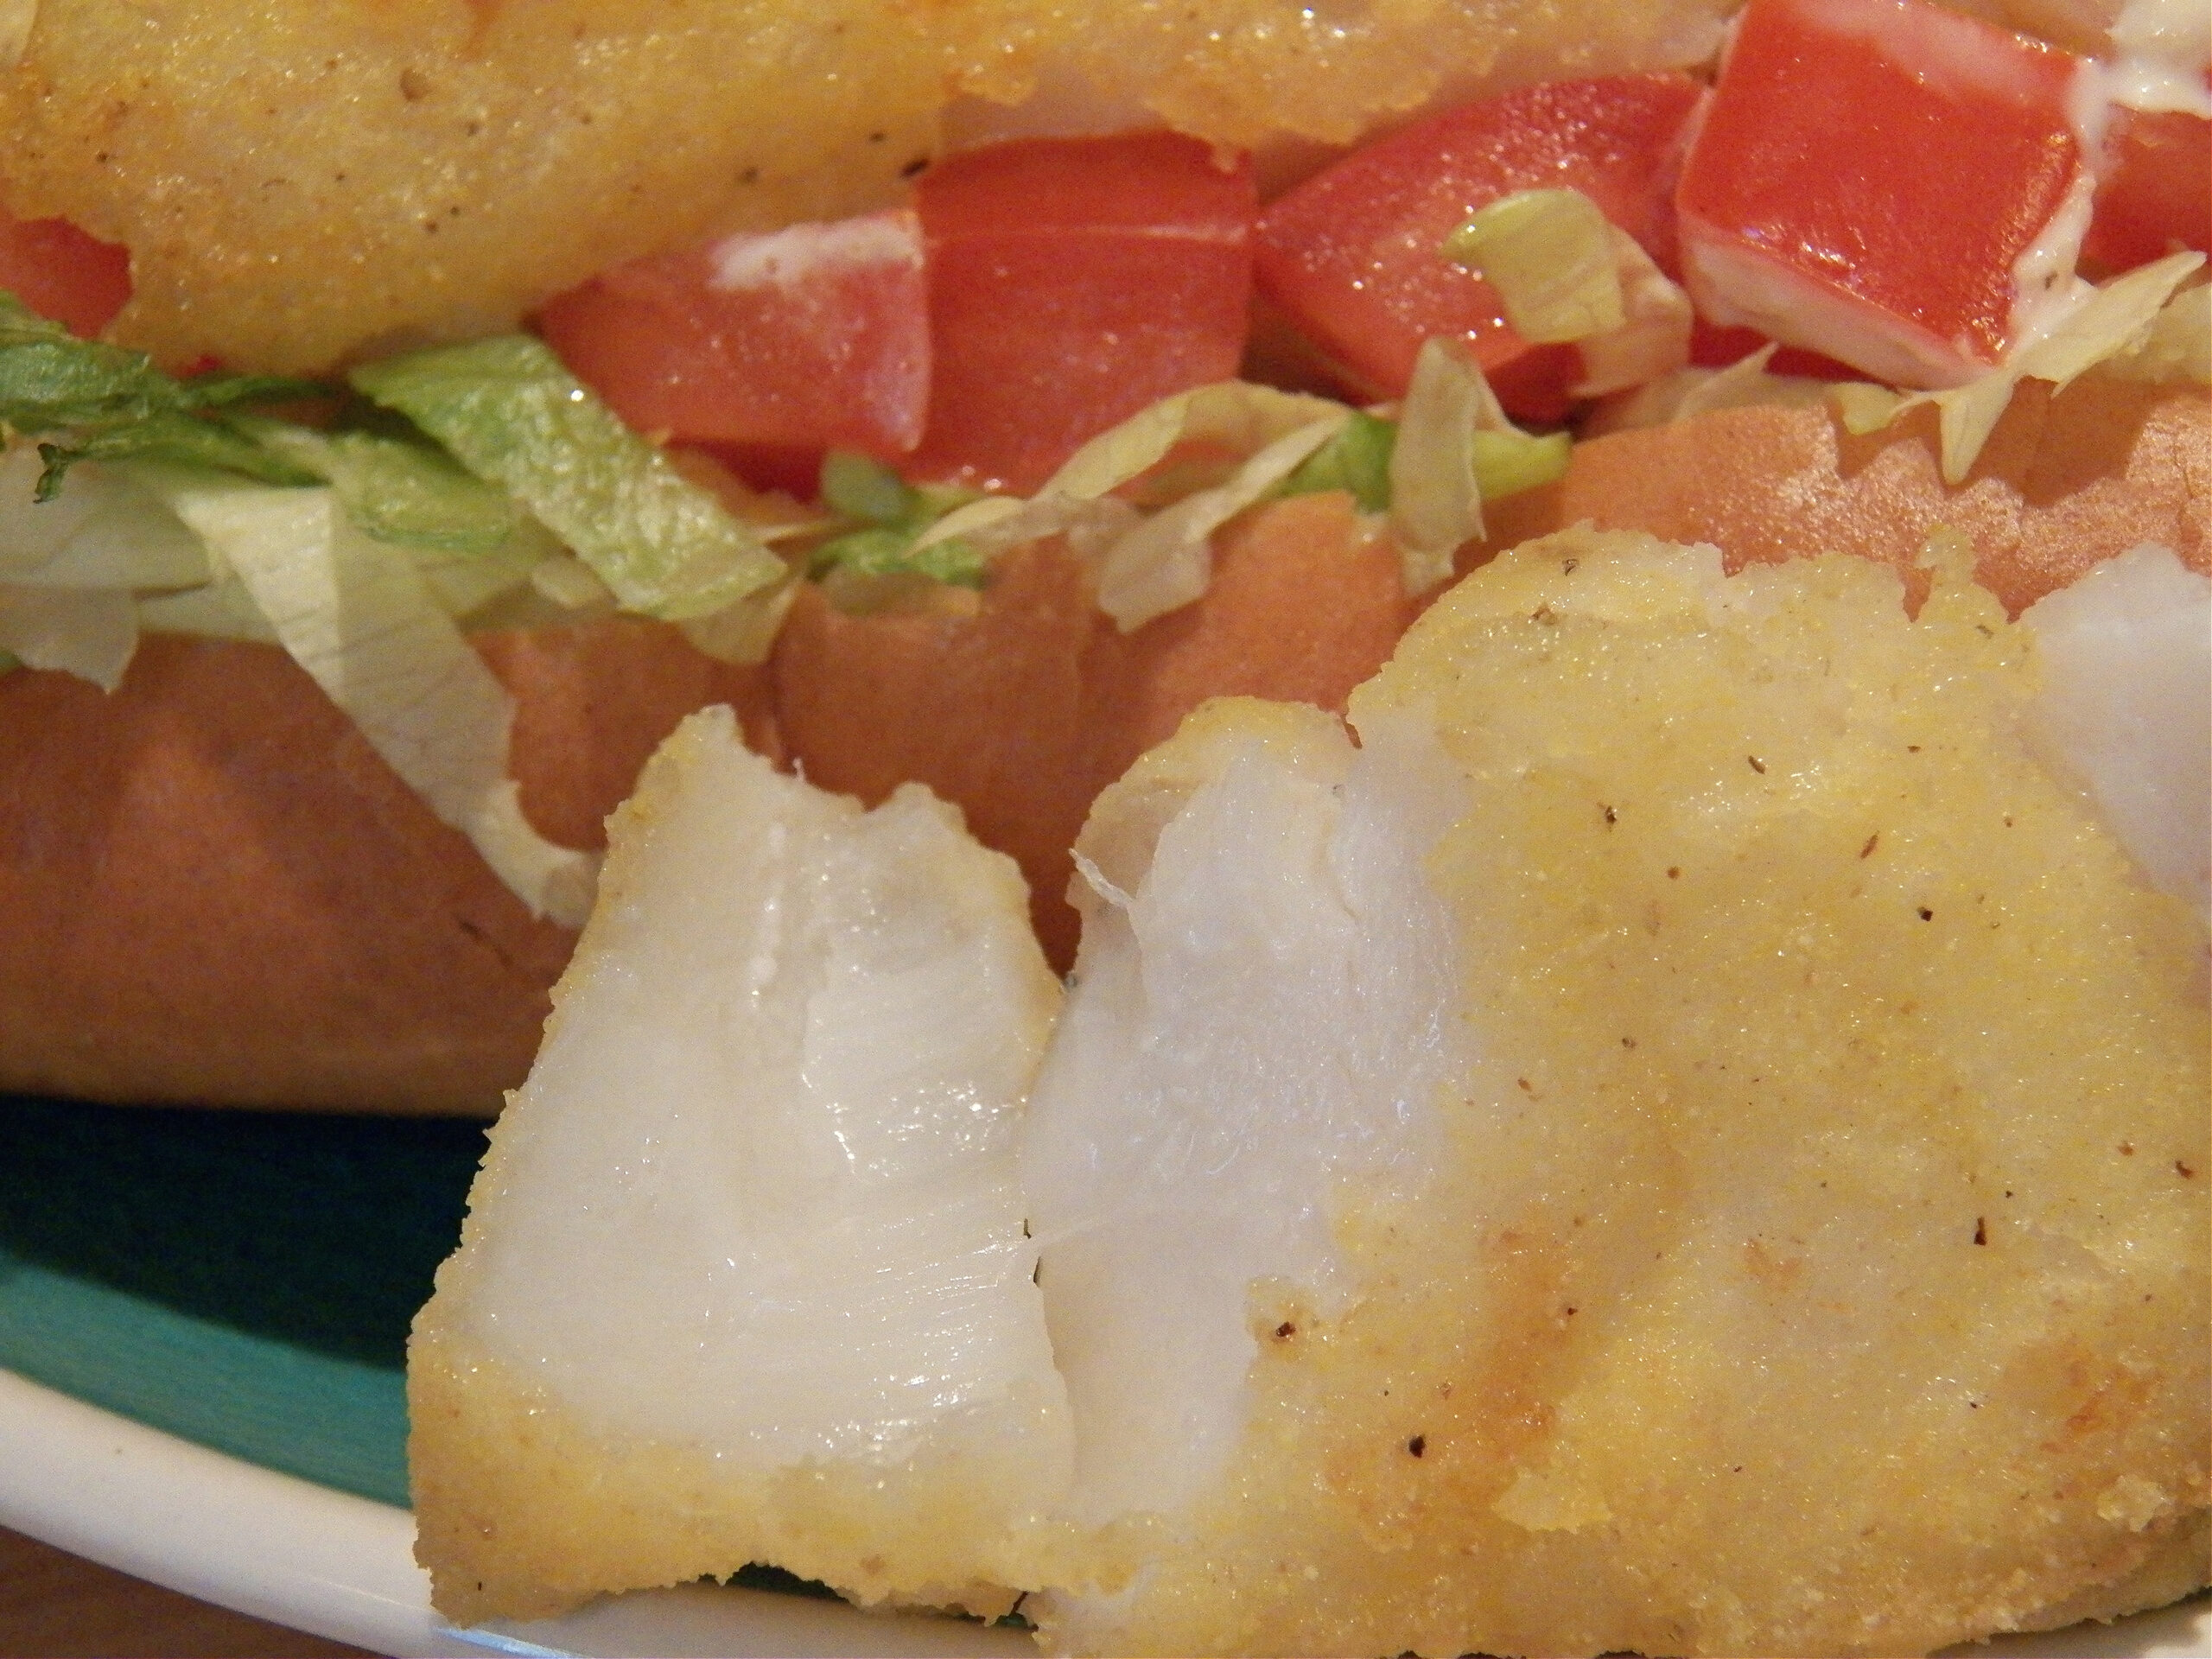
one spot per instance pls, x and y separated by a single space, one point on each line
1147 565
2176 349
1653 336
69 566
1455 446
222 609
1566 275
106 531
2117 324
472 542
1547 254
1436 501
89 631
362 619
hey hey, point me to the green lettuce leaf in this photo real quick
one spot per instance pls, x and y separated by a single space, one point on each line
397 491
113 404
511 413
1356 461
893 517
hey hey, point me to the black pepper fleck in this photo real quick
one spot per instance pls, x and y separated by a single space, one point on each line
1418 1445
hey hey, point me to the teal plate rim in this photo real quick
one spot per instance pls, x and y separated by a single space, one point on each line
242 1280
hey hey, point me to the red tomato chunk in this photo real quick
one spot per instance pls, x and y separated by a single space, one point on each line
63 274
1073 282
804 339
2155 195
1866 178
1353 255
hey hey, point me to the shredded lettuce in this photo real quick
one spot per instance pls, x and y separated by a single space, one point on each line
1455 449
1511 460
2176 349
88 632
746 632
1686 393
1138 504
1565 275
1549 254
1654 338
2113 324
357 614
1166 561
889 517
862 487
1269 433
221 610
1436 502
511 413
473 542
106 531
108 404
401 491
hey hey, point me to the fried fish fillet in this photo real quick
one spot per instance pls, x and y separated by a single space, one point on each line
1688 1136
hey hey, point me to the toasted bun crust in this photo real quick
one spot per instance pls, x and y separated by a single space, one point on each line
214 891
211 890
2065 481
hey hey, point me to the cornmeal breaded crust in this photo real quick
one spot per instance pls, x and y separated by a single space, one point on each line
1777 1227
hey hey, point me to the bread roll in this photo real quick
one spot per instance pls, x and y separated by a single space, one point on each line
214 892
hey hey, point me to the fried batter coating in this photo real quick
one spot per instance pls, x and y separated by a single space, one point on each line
301 181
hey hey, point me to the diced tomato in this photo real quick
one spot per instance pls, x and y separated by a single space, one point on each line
62 273
1073 281
2154 196
1867 176
1353 254
786 344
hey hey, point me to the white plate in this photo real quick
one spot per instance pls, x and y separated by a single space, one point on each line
285 1549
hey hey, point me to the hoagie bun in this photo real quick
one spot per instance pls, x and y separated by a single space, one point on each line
219 892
